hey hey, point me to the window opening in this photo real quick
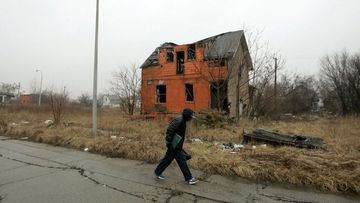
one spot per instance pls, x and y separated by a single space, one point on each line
170 55
189 92
191 52
180 62
217 63
218 92
161 94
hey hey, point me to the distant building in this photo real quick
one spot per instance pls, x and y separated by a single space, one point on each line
210 73
6 98
26 99
317 104
110 101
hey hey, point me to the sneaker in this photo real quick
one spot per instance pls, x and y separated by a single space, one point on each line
159 177
193 181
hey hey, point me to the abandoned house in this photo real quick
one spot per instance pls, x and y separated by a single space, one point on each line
6 98
210 73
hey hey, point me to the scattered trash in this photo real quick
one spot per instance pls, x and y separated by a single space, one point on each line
86 149
24 138
263 145
25 122
238 146
227 146
13 124
113 136
276 138
49 122
197 140
68 124
122 137
254 147
233 148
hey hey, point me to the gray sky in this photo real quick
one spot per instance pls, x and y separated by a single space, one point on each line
57 36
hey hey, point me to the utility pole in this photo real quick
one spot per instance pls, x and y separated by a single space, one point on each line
238 94
275 88
19 93
94 104
38 70
275 75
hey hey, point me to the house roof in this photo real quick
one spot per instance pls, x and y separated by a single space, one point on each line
219 46
7 94
223 45
152 60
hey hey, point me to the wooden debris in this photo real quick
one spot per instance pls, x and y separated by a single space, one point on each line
274 138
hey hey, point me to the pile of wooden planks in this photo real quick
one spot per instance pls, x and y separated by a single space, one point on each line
274 138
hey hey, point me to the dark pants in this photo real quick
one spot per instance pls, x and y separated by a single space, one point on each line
180 157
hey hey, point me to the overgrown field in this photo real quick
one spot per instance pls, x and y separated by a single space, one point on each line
335 169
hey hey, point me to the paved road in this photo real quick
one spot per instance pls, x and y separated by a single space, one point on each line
34 172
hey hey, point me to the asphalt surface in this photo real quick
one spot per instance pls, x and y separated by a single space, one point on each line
33 172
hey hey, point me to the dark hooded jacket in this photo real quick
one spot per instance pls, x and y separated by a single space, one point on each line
178 126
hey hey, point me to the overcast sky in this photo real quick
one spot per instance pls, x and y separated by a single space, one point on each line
57 36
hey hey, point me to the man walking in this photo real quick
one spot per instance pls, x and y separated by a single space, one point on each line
175 151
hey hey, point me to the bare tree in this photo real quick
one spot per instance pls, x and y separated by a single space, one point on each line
125 84
340 77
34 86
217 76
297 93
221 69
262 77
58 102
84 99
8 88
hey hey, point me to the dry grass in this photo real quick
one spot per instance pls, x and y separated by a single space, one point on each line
336 170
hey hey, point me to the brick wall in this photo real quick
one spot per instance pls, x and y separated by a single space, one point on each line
196 72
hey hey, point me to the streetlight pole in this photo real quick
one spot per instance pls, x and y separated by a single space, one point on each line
94 104
37 70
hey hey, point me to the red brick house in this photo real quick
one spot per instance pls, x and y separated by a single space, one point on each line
210 73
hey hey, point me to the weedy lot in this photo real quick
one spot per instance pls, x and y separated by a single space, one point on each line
335 169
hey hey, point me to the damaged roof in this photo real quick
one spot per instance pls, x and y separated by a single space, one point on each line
219 46
222 46
152 60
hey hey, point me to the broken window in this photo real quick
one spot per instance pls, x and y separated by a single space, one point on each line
218 95
217 63
161 94
180 62
191 52
169 55
189 92
221 62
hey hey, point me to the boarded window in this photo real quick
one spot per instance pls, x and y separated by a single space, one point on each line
189 92
161 94
170 55
191 52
